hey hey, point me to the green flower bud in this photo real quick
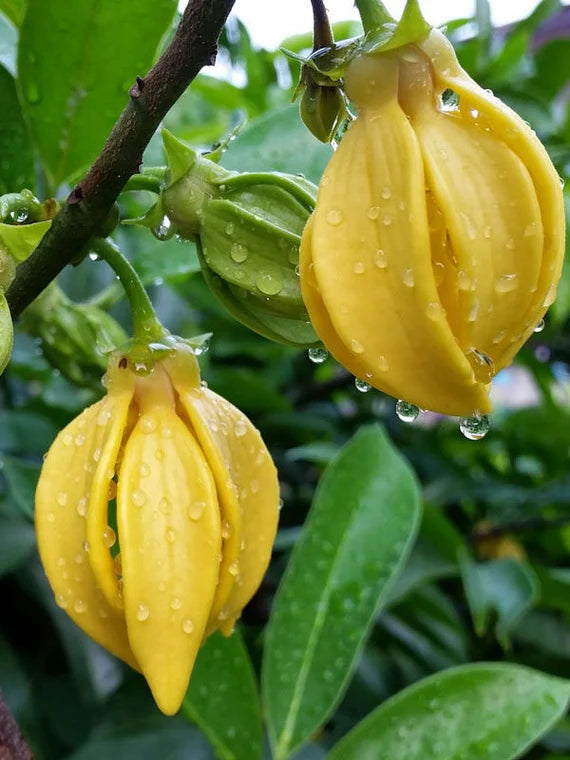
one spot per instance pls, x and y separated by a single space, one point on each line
322 108
75 338
247 227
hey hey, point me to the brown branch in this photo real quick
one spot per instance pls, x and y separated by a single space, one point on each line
12 743
194 45
322 32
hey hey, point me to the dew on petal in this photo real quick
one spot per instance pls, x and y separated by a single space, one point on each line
356 346
406 412
506 283
476 427
142 613
318 355
361 385
196 510
187 625
408 278
380 259
334 217
109 536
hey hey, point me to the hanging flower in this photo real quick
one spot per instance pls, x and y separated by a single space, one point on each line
437 239
196 498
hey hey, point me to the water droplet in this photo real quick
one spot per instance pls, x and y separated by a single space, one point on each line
165 506
79 439
80 606
86 547
175 603
109 537
50 517
79 558
438 272
159 455
171 535
383 365
61 601
387 220
482 365
196 510
240 428
506 283
142 613
510 244
334 216
144 470
356 346
67 439
148 425
540 326
408 278
118 564
230 227
166 432
233 569
380 259
164 230
33 93
203 348
238 253
473 312
361 385
268 283
435 311
386 193
475 427
373 212
187 625
358 267
406 412
226 529
62 498
487 232
500 337
318 355
550 296
138 497
464 281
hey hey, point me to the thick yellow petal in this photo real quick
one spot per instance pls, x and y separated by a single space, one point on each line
169 534
62 498
509 127
245 476
490 209
372 258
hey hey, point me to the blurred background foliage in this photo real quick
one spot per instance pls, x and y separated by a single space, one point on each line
488 577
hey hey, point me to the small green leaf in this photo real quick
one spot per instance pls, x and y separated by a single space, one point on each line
359 531
498 592
493 711
412 27
21 239
223 700
75 71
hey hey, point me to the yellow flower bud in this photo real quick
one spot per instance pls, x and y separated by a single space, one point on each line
196 515
437 239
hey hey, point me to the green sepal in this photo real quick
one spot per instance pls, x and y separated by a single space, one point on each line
411 28
181 158
6 332
19 240
322 109
249 312
328 64
151 219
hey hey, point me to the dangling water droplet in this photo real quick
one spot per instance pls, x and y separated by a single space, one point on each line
318 355
196 510
238 253
202 348
540 326
506 283
406 412
164 230
361 385
109 537
482 365
142 613
408 278
268 283
380 259
358 267
476 427
334 217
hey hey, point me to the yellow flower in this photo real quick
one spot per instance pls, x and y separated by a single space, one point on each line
438 235
196 514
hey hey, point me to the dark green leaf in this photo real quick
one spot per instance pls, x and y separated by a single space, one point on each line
357 536
223 699
76 68
14 10
504 589
16 158
17 541
490 710
22 479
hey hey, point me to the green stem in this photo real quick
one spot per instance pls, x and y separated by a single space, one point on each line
145 322
278 180
144 182
373 14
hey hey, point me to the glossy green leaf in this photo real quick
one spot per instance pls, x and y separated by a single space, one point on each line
278 141
489 710
223 699
14 10
76 69
16 157
500 591
357 536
